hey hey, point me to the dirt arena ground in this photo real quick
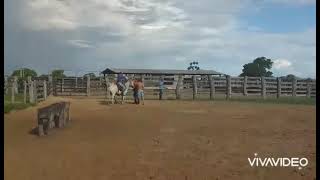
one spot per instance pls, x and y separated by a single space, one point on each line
177 140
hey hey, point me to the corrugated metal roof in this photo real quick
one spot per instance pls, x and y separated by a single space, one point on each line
160 71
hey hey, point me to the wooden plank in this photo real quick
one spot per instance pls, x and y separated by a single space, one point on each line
15 84
35 91
45 89
212 86
178 87
12 92
294 86
308 90
194 79
263 87
228 93
31 91
24 92
88 85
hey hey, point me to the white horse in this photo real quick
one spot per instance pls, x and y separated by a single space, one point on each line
113 89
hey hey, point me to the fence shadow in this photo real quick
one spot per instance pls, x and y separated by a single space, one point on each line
104 102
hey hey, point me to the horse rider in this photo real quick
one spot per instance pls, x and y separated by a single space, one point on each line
121 81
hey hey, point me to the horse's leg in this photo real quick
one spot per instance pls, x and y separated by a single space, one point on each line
123 98
112 98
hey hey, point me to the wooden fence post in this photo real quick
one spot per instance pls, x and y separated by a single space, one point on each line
82 81
50 85
278 87
245 84
212 88
44 90
263 87
62 82
308 89
15 83
35 91
6 84
107 86
12 92
178 87
195 88
228 79
24 92
161 89
294 86
88 85
30 84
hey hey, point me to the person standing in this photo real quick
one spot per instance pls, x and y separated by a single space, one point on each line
161 87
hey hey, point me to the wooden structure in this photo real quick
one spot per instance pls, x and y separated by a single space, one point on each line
174 80
33 90
191 86
54 115
178 84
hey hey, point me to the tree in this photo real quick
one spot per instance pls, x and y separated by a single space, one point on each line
194 66
23 73
58 73
289 77
259 67
92 75
44 76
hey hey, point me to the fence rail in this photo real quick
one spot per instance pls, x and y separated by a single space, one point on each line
33 90
193 86
176 87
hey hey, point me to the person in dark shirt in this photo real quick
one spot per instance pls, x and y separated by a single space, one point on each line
121 81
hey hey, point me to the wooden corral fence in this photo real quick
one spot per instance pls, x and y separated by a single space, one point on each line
79 86
192 87
33 90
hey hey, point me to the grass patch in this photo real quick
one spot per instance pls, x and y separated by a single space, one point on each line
17 105
17 98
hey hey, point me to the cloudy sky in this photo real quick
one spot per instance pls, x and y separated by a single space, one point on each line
91 35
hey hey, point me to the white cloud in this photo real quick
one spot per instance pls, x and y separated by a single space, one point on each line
80 43
164 34
153 27
301 2
281 63
119 15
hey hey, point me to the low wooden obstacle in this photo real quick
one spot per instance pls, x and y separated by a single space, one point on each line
55 115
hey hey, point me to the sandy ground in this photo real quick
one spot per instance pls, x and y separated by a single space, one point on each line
161 140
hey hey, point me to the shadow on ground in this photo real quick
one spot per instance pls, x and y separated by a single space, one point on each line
109 103
34 131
